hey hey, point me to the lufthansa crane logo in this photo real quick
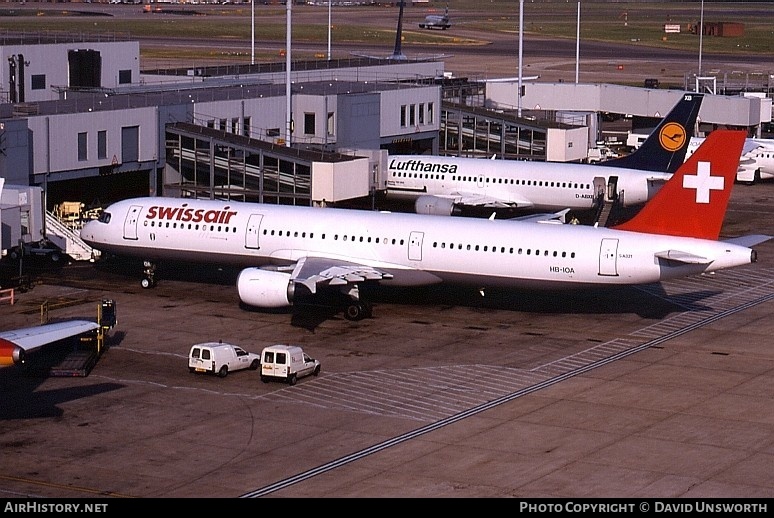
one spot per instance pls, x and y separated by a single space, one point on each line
672 136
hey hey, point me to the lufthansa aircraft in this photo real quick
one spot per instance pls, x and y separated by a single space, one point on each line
447 185
291 254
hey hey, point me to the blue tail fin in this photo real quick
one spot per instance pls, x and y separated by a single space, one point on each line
664 150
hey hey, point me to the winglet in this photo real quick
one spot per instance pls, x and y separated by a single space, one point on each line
665 149
693 202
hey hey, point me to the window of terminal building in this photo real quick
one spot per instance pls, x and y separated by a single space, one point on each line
83 153
430 113
124 77
422 113
246 126
130 144
412 114
102 144
403 116
38 82
309 123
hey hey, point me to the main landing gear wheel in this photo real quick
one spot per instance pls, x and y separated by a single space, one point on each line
358 311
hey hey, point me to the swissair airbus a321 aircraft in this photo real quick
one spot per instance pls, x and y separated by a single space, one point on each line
292 253
445 185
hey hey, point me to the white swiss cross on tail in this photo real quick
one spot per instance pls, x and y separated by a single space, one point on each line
703 182
693 202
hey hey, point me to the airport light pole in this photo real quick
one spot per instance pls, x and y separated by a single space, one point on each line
577 47
329 29
252 32
288 108
701 33
521 39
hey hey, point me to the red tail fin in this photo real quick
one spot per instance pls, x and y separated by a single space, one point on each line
693 202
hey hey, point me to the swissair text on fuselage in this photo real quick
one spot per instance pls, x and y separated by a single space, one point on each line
186 214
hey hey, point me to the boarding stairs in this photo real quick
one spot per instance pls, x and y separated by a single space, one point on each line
603 214
68 239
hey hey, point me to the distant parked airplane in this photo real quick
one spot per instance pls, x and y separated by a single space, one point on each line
293 254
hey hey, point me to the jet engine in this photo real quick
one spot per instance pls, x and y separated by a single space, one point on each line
436 206
10 353
265 288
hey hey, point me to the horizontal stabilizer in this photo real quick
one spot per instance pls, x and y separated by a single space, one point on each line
748 241
682 257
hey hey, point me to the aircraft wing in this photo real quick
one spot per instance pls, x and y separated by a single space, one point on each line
16 342
552 217
481 200
750 145
320 271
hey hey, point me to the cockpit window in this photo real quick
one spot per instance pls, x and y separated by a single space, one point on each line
104 217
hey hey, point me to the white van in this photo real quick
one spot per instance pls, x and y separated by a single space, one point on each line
286 362
219 358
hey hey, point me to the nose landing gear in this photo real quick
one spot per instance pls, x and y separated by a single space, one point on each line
149 270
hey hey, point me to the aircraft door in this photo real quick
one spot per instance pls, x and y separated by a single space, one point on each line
599 188
253 231
415 246
130 223
608 252
612 188
480 181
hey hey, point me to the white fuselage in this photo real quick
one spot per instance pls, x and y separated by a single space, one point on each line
522 184
757 156
760 159
416 249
